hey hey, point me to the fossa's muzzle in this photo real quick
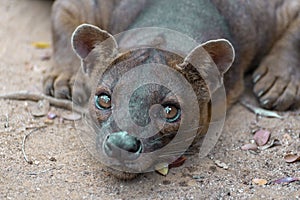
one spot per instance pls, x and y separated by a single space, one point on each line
122 146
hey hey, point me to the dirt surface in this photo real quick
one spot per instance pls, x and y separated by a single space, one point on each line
62 168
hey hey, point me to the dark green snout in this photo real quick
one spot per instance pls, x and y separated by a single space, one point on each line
122 146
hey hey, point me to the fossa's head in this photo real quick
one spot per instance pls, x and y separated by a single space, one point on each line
134 118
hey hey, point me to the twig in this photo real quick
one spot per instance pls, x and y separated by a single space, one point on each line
34 127
44 171
6 124
261 111
23 144
26 95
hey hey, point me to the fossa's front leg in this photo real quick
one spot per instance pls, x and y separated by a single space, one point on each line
66 16
113 16
277 79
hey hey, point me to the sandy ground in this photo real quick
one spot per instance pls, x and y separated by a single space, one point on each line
62 167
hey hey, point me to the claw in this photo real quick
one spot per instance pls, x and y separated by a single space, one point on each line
256 78
265 102
260 93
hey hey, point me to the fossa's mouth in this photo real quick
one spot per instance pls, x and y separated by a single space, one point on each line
127 152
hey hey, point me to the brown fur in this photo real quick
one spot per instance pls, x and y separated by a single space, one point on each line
265 35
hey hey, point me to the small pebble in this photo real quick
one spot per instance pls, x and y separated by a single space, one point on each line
36 162
51 115
221 164
196 176
48 121
71 116
166 182
249 146
52 159
259 181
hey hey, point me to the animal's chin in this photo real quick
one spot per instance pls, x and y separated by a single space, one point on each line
141 165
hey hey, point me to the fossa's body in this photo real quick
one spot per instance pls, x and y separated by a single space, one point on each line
265 36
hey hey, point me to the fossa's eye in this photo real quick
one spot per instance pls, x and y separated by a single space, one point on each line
171 113
103 101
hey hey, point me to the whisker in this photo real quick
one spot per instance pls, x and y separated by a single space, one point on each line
176 154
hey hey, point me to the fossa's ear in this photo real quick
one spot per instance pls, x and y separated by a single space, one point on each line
219 53
222 53
93 46
86 37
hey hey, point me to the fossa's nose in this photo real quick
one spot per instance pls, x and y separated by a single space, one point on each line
122 146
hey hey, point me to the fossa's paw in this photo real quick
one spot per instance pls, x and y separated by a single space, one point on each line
57 84
60 85
277 83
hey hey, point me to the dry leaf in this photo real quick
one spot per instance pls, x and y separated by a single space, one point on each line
259 181
249 146
290 158
178 162
261 137
286 180
41 45
162 168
